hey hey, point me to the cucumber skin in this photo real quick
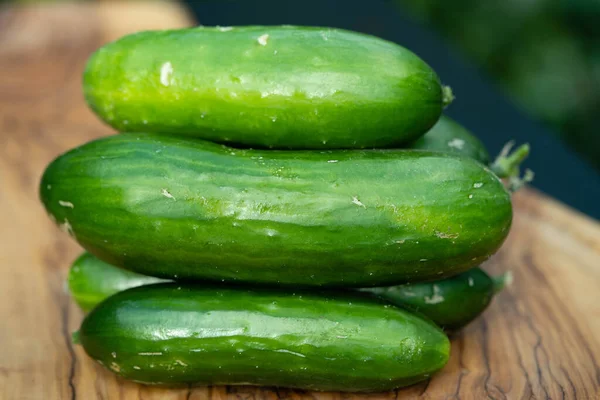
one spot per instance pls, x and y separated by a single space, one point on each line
182 208
451 303
307 88
175 334
448 136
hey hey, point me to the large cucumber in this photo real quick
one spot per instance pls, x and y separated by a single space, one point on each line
284 87
448 136
175 207
182 334
451 303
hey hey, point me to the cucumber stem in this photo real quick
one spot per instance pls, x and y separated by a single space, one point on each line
507 164
515 182
501 281
447 96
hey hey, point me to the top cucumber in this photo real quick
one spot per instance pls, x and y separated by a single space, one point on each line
270 87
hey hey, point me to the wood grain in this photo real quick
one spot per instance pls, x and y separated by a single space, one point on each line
539 338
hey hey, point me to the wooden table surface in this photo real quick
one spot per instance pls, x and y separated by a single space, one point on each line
538 339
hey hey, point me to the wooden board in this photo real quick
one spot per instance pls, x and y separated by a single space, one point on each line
539 339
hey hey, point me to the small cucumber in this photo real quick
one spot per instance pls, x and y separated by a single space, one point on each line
451 303
177 207
176 334
448 136
92 280
265 86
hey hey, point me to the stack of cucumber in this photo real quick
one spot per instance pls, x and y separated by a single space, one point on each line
286 206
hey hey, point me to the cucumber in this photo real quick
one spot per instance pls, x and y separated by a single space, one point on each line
259 86
181 208
92 280
175 334
450 137
451 303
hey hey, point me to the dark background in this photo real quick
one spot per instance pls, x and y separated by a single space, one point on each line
483 103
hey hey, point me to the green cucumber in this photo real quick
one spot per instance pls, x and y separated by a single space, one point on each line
259 86
175 334
450 137
451 303
175 207
92 280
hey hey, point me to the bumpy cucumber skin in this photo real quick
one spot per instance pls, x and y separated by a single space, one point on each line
451 303
448 136
175 334
175 207
92 280
305 88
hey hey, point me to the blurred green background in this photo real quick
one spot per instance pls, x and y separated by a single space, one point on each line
544 54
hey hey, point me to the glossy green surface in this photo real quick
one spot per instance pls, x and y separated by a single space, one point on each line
180 334
174 207
448 136
92 280
284 87
451 303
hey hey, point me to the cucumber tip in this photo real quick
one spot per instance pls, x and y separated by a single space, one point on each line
447 96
